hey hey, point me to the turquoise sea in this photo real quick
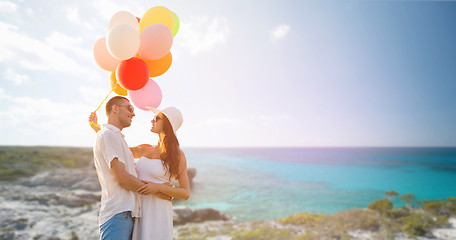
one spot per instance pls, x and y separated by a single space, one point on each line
271 183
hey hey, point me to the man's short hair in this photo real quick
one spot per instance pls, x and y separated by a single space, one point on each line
117 100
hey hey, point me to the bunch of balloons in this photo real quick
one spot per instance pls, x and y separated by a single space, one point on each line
136 49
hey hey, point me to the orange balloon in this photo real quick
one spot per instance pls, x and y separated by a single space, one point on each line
159 66
115 85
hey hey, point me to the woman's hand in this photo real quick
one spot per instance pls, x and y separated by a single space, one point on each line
149 188
93 122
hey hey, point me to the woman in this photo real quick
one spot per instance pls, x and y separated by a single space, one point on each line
157 165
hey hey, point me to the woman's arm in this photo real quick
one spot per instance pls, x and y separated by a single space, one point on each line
139 150
183 191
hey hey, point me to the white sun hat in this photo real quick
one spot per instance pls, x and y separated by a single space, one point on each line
173 114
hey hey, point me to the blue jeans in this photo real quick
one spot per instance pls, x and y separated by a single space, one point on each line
119 227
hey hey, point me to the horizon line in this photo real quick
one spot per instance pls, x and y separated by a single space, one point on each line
250 147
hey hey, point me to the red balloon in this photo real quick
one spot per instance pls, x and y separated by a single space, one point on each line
132 74
139 19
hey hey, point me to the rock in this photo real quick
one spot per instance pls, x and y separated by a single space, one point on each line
7 233
191 172
67 199
209 214
43 237
73 200
183 215
65 178
89 183
20 224
42 199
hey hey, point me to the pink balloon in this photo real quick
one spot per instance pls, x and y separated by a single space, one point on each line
148 96
103 57
155 41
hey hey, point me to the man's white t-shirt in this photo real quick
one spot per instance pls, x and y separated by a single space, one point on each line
110 144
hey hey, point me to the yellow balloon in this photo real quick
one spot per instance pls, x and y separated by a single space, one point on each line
157 14
115 85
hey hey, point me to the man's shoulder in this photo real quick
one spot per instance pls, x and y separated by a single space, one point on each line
106 132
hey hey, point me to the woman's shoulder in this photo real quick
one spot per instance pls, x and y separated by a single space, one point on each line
181 153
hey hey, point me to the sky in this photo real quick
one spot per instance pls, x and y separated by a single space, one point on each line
244 73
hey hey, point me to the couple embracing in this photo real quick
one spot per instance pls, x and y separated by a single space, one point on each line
136 200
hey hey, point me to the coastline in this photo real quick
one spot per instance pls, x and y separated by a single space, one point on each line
223 230
64 205
53 193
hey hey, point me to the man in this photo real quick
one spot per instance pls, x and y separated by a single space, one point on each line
115 167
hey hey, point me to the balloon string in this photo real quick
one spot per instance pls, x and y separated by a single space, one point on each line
104 100
95 124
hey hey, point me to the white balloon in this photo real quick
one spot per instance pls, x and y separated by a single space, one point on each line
124 17
122 42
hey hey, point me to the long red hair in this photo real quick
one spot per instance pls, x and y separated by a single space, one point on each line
169 148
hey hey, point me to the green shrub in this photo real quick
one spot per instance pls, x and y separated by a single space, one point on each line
356 219
397 213
381 206
417 224
16 162
437 208
409 200
266 232
304 219
391 194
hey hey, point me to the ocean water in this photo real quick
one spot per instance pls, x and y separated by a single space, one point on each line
271 183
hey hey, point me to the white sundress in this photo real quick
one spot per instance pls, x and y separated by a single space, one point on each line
156 222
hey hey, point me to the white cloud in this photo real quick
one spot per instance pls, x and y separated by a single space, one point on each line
15 77
63 41
40 115
201 34
269 120
106 8
33 54
3 95
94 95
219 121
252 120
8 7
73 15
279 32
29 11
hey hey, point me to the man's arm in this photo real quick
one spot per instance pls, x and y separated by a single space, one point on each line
128 181
125 179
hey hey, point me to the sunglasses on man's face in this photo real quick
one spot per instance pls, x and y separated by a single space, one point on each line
129 107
